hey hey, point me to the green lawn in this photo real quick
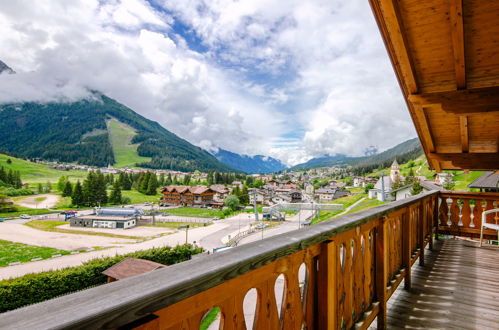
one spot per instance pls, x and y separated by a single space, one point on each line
209 318
37 173
195 212
345 201
53 226
121 136
462 180
366 204
137 197
13 252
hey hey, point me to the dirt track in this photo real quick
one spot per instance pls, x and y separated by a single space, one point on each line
30 202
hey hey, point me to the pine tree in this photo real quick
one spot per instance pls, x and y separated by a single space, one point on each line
67 190
115 197
416 188
77 198
152 185
40 188
244 196
48 187
168 180
161 180
101 188
187 179
61 183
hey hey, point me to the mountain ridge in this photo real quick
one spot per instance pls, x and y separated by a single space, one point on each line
258 164
408 147
64 132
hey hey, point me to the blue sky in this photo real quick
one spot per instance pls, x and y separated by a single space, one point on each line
289 79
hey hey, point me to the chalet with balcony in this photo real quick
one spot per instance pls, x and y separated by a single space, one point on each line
196 196
221 192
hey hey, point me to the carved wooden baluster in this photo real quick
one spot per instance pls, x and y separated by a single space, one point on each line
292 311
233 313
348 279
368 270
466 213
358 269
477 213
341 275
310 288
443 212
454 215
266 316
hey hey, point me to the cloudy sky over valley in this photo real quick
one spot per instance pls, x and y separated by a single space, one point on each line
289 79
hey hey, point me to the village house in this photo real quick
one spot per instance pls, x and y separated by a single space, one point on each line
487 182
197 196
261 196
221 192
327 194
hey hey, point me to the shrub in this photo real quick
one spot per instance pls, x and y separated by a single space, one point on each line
34 288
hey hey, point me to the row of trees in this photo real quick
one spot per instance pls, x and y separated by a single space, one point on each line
10 178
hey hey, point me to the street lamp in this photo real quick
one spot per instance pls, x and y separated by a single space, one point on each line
186 227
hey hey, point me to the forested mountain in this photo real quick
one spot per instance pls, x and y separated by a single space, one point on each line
404 151
77 132
256 164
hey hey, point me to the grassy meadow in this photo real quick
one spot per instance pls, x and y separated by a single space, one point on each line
125 153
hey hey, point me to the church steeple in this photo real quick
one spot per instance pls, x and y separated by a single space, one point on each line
395 170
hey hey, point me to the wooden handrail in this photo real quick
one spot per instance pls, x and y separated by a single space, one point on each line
354 264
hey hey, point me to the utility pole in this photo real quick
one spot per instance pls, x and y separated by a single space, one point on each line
254 205
186 227
382 188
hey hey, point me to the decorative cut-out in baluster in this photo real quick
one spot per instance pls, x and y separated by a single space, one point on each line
249 307
342 257
279 290
362 245
303 278
212 319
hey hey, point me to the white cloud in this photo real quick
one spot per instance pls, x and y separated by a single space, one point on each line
293 80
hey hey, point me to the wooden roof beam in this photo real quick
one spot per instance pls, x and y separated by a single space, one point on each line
457 33
472 161
463 124
391 13
461 102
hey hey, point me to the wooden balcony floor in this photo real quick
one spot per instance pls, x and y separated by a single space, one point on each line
458 288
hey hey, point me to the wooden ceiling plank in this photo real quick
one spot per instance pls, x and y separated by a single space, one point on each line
466 101
471 161
463 124
398 38
457 33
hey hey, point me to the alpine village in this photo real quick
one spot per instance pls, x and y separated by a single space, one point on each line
109 220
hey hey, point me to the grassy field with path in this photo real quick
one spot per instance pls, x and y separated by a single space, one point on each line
13 252
121 136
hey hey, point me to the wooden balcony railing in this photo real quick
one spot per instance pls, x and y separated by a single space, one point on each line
460 213
352 264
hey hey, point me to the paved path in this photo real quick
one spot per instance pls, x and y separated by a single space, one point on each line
350 207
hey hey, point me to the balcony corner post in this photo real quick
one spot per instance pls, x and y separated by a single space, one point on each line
326 286
381 270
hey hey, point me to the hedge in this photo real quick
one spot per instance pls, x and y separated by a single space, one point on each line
34 288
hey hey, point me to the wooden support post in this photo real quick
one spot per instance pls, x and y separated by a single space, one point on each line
326 286
435 215
406 248
381 271
431 220
421 234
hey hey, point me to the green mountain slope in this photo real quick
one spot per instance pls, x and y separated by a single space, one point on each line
77 132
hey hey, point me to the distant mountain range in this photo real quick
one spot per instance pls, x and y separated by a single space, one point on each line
401 151
249 164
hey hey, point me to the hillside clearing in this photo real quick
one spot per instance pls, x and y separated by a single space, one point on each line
121 136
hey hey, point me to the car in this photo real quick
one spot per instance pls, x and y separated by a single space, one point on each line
25 216
261 226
